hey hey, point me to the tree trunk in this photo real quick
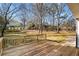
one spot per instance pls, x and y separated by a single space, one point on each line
3 30
58 25
41 27
58 28
24 25
53 22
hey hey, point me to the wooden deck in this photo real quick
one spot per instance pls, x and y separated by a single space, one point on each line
42 48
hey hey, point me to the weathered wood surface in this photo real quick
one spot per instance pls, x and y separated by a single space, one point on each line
13 41
1 45
42 48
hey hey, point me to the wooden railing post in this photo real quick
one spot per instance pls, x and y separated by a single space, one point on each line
24 40
37 37
1 45
14 43
45 36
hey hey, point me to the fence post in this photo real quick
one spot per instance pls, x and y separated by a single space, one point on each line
45 36
14 42
24 40
1 45
37 37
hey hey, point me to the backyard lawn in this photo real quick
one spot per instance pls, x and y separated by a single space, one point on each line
50 35
14 39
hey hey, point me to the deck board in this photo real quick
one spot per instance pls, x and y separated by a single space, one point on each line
42 48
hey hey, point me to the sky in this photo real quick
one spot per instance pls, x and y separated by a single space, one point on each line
30 14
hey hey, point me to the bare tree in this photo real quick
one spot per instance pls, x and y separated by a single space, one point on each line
52 11
39 11
1 20
8 11
23 14
59 11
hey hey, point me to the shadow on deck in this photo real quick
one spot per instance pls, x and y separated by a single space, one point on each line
42 48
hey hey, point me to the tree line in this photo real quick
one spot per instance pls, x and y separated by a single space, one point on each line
41 16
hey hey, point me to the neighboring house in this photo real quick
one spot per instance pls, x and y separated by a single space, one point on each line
14 25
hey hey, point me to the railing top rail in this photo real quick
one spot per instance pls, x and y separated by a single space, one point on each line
36 35
16 37
1 38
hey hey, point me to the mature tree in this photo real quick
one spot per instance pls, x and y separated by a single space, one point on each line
55 10
51 9
39 11
71 23
1 20
1 23
7 11
59 11
23 14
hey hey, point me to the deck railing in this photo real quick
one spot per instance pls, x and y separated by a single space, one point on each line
1 45
20 40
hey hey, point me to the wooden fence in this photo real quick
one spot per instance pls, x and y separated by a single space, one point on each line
20 40
1 45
